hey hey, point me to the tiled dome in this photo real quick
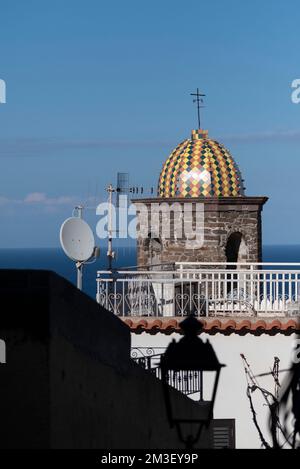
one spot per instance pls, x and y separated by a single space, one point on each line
200 167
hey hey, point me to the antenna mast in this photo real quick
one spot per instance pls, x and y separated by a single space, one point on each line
110 253
79 265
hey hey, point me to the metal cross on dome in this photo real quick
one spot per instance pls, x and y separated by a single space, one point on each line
199 101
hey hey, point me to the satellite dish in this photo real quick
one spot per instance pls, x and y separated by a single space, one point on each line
77 239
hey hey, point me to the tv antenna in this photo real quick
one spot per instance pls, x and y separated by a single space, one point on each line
78 243
121 189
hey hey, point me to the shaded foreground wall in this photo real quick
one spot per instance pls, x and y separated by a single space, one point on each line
68 381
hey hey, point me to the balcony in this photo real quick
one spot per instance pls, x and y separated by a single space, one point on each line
204 289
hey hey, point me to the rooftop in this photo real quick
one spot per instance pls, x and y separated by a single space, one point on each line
226 297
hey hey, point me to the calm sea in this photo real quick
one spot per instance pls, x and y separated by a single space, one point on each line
54 259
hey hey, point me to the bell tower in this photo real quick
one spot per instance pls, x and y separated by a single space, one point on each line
201 212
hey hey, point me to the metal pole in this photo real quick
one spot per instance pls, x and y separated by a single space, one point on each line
79 267
79 211
110 251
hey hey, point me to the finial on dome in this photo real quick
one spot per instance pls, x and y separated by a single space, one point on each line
199 133
199 101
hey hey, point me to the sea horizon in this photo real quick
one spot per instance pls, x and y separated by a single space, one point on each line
54 259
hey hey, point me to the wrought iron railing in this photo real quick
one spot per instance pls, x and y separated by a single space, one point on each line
187 382
203 289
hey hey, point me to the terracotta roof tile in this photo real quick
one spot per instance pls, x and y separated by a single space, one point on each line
213 326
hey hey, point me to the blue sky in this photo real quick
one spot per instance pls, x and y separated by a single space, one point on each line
98 87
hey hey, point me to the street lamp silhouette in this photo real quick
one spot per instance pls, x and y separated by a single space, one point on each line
186 366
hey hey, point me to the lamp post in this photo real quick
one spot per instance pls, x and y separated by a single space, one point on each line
184 366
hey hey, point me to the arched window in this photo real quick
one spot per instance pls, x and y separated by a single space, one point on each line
233 247
155 248
236 251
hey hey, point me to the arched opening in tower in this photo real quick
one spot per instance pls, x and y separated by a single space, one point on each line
233 246
236 251
155 250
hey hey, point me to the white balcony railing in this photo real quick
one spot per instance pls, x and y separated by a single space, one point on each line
205 289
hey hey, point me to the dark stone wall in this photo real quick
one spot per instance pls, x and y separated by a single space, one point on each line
69 381
222 218
37 306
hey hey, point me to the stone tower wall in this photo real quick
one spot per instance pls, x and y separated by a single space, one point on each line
223 217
